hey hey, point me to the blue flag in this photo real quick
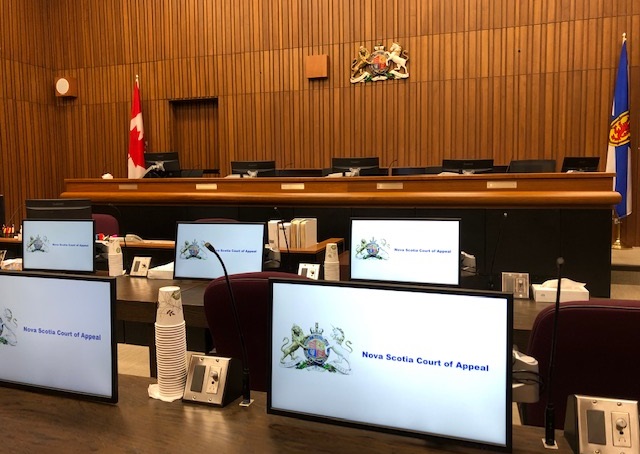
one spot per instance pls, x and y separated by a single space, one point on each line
619 151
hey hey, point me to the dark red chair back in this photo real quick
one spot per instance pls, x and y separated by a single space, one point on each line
596 354
251 292
106 224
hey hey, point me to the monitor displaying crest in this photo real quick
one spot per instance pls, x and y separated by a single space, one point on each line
424 362
417 250
240 245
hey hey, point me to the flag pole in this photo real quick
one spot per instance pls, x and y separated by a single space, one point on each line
619 150
617 243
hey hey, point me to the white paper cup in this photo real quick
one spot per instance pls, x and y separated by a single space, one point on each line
169 312
331 253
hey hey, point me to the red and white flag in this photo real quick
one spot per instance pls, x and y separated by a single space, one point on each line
136 137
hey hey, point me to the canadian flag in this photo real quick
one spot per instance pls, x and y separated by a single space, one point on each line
136 137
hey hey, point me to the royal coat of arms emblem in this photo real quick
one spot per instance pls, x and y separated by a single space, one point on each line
379 64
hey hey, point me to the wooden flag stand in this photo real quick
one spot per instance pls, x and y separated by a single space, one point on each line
617 244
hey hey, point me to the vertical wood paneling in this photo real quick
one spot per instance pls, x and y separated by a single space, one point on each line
489 78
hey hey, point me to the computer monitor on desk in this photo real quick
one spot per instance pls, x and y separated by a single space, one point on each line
467 166
239 244
162 165
254 168
365 166
58 334
58 245
580 164
418 361
415 250
58 208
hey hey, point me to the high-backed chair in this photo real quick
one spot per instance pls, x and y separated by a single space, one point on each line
251 292
106 224
408 171
532 166
596 353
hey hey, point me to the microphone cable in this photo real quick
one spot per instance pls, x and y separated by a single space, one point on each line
549 411
246 388
503 220
286 262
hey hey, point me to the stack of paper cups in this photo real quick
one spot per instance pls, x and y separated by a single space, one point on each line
171 346
331 263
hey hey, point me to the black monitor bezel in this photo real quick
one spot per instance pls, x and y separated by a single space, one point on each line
224 222
580 164
170 161
351 262
467 166
263 168
113 398
79 272
392 430
61 209
368 165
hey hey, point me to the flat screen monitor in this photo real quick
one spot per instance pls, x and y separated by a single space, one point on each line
58 208
167 165
239 244
366 165
57 334
418 361
254 168
580 164
58 245
424 251
467 166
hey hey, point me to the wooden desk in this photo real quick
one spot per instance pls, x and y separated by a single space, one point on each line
35 422
549 215
592 189
137 304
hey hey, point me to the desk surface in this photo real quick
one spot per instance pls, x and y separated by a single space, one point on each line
137 299
37 422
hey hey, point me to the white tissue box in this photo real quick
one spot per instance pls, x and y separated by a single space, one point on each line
161 272
548 295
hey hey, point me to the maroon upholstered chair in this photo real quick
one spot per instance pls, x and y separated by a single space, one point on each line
251 292
597 353
106 224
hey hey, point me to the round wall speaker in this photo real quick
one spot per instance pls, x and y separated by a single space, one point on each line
66 87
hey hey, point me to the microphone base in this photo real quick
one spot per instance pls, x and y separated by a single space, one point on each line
246 403
548 446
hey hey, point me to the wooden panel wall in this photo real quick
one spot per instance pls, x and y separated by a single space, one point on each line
28 144
507 79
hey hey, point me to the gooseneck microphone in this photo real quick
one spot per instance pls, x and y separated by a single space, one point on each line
549 411
246 383
503 221
287 263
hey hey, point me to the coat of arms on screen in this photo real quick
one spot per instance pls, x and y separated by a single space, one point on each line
193 250
8 328
380 64
372 249
317 353
38 244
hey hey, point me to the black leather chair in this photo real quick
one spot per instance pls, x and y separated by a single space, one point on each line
532 166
